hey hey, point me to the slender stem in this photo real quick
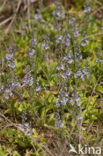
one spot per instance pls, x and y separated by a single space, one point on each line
74 67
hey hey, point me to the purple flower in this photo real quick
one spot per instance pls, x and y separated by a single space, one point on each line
9 57
87 9
38 16
32 52
62 125
15 84
69 73
76 33
64 75
57 102
11 65
84 43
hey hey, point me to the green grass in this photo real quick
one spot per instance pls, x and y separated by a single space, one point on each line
30 121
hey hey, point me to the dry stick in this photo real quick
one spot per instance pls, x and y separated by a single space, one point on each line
16 126
98 9
5 21
94 35
2 7
98 2
92 13
47 150
28 12
14 17
90 127
2 115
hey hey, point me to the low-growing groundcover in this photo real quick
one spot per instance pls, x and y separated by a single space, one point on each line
51 83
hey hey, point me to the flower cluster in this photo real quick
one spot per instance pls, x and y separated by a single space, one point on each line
87 7
1 88
8 93
25 128
15 84
58 13
28 79
10 59
71 69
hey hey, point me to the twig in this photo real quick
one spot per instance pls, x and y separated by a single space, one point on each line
98 2
28 12
2 7
14 17
94 35
98 9
5 21
17 127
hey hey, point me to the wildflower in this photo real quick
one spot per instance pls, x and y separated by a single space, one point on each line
33 42
71 22
56 124
86 72
1 88
80 118
32 52
58 67
7 90
38 89
11 64
62 67
8 93
38 16
81 57
31 81
7 97
9 57
64 101
59 14
69 73
57 102
70 56
15 84
71 101
28 79
66 41
45 46
62 125
87 9
79 74
69 36
26 129
76 33
21 127
66 94
77 99
84 43
64 75
70 61
58 38
64 58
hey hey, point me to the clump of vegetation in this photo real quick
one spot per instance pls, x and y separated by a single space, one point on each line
51 82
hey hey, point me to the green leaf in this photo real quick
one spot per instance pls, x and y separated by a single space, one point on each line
99 89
